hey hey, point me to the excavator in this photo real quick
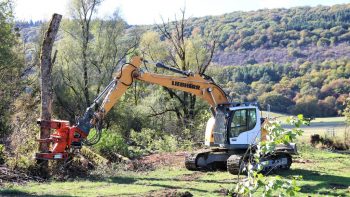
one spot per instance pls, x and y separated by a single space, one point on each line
230 132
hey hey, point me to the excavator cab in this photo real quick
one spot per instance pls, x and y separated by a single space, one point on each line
234 126
243 126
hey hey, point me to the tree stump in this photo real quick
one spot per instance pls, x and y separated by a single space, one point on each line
46 86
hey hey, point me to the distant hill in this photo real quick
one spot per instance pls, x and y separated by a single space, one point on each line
279 35
29 30
268 35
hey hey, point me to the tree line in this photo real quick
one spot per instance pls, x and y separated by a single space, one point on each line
313 89
268 28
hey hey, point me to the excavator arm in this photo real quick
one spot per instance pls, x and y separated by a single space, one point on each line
192 83
66 139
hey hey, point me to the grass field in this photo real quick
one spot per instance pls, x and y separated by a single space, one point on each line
324 174
330 126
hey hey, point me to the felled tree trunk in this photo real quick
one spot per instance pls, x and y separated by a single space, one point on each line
46 85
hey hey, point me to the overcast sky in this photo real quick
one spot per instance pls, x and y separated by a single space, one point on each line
150 11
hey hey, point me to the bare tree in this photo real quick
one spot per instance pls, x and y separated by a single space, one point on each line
82 11
88 55
178 38
110 47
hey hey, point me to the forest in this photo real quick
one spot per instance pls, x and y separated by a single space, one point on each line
291 61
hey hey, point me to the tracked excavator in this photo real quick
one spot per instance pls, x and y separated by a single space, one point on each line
233 128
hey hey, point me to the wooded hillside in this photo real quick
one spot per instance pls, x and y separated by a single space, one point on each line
278 35
269 35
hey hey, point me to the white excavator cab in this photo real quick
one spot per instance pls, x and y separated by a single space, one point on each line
234 126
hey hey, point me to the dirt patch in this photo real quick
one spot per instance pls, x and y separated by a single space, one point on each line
168 193
153 161
302 161
190 177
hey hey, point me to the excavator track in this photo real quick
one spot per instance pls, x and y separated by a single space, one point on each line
272 163
234 164
191 160
276 162
214 159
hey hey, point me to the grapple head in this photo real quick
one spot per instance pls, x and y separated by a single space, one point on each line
62 142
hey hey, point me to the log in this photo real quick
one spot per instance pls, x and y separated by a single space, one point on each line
94 157
46 85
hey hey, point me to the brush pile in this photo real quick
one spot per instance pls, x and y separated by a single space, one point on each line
8 175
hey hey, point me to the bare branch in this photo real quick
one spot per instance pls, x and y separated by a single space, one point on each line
173 94
155 113
205 65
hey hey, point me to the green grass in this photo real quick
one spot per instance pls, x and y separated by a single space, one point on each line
129 183
324 174
323 126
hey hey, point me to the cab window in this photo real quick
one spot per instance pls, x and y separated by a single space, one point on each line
242 120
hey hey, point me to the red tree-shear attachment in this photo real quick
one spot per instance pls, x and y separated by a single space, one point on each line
63 141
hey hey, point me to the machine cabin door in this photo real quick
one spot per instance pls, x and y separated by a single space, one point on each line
242 125
220 136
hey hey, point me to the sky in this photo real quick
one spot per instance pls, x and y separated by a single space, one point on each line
137 12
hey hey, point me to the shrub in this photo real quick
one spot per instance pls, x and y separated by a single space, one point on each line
315 139
166 144
136 151
326 142
23 146
110 144
144 138
24 132
152 140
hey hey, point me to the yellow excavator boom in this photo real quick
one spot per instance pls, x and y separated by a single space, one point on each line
194 84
